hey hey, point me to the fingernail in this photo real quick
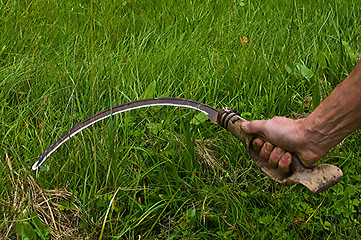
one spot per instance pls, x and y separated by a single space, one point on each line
268 147
256 145
285 161
286 157
278 151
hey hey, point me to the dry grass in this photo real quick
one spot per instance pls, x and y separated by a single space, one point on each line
204 151
57 209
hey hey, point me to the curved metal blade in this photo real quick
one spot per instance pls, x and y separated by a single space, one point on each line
168 101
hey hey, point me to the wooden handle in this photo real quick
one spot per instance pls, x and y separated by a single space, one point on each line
317 178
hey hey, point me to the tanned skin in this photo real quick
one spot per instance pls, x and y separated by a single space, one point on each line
313 136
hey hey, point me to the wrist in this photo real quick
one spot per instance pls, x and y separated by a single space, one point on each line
311 129
318 134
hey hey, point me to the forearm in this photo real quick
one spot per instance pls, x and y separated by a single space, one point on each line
312 137
339 114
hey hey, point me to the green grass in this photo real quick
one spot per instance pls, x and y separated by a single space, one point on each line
152 173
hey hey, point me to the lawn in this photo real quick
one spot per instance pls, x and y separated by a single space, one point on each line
159 173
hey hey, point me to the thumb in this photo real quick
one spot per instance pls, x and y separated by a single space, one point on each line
254 127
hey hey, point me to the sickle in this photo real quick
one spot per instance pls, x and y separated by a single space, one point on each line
317 178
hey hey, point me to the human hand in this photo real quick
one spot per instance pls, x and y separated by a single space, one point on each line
283 136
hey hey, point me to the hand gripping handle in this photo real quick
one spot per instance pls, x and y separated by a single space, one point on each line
317 178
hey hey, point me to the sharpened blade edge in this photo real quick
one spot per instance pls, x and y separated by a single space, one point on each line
167 101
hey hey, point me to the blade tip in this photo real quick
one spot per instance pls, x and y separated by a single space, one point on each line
37 164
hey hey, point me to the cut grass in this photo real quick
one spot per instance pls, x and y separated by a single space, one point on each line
151 173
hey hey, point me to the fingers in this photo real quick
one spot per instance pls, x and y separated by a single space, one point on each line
276 156
257 144
266 150
285 162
